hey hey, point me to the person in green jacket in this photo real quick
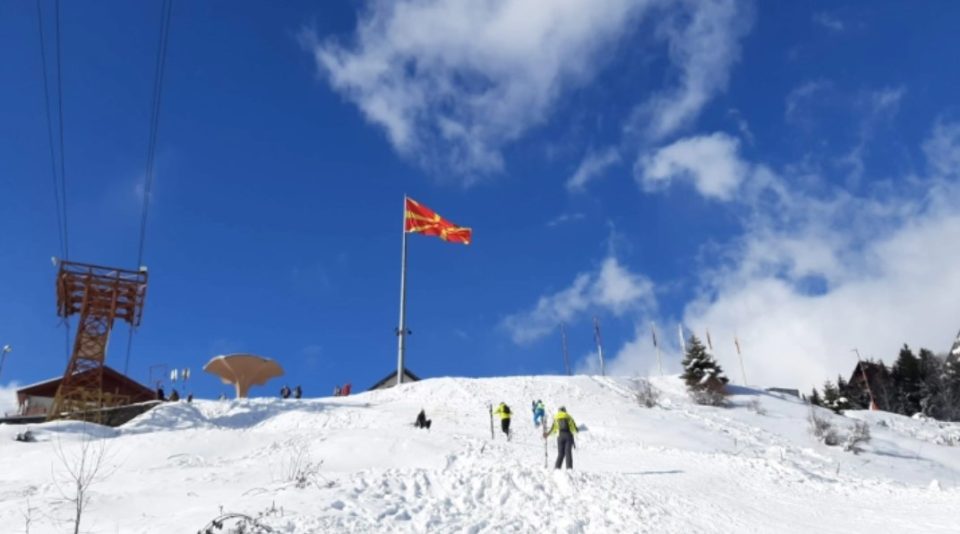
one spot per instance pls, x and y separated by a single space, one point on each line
504 412
565 428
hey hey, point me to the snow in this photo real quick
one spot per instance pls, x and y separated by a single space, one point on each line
677 467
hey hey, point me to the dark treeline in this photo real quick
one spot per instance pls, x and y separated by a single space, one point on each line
916 383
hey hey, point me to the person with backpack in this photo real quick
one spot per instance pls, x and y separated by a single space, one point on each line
565 428
504 412
538 412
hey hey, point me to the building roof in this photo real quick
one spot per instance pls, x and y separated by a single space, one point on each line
48 388
393 374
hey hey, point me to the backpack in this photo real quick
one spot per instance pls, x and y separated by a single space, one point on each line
506 409
564 424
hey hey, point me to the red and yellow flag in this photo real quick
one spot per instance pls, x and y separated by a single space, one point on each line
423 220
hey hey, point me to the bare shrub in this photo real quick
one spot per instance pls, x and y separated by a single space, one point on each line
709 397
81 471
859 434
297 467
822 429
646 395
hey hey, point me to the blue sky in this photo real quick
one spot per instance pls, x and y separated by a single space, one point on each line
785 173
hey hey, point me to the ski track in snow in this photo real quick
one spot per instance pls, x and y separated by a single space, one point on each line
677 467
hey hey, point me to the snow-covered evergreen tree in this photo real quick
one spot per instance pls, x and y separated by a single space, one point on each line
703 375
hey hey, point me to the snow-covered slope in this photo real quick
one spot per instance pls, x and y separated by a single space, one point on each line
677 467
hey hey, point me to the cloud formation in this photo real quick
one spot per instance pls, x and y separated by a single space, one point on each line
710 162
592 167
452 82
703 40
612 288
813 277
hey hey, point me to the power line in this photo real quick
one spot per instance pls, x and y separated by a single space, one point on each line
46 112
157 98
159 69
63 176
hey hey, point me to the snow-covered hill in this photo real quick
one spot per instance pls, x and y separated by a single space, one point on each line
678 467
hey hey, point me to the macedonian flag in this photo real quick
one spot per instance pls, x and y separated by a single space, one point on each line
423 220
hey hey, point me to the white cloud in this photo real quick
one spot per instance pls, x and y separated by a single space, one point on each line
565 218
798 97
710 162
813 278
828 21
611 288
452 82
703 40
8 398
592 166
942 149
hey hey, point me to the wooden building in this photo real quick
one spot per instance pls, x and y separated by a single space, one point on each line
36 399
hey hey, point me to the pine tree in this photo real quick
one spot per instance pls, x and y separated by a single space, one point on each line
931 392
844 394
703 375
906 380
830 396
950 378
814 398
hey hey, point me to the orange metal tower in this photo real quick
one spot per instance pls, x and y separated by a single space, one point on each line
99 295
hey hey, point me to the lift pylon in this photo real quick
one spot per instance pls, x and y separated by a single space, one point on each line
100 295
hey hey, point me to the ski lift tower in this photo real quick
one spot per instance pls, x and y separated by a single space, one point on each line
100 295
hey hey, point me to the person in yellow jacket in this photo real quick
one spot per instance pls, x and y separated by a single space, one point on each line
565 428
504 412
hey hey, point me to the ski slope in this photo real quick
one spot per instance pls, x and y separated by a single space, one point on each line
677 467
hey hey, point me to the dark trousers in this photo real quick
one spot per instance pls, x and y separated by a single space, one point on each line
564 449
505 425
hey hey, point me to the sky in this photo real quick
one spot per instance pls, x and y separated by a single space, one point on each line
785 174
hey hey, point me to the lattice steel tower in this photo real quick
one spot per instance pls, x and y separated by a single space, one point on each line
99 295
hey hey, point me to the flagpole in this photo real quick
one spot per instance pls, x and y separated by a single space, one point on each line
596 331
743 373
683 342
402 331
653 328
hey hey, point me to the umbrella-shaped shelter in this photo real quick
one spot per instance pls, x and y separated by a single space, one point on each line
243 370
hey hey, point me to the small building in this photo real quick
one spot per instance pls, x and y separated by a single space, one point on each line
36 399
391 380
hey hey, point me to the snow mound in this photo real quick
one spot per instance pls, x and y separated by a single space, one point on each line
357 464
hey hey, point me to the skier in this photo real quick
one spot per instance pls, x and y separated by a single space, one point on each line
190 397
504 412
422 421
161 396
297 392
538 412
566 428
285 392
174 395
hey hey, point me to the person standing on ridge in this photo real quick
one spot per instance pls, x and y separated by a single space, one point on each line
565 428
504 412
297 392
538 412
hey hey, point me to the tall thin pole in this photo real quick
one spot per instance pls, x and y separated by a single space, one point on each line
566 355
596 333
402 330
683 342
653 329
743 373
